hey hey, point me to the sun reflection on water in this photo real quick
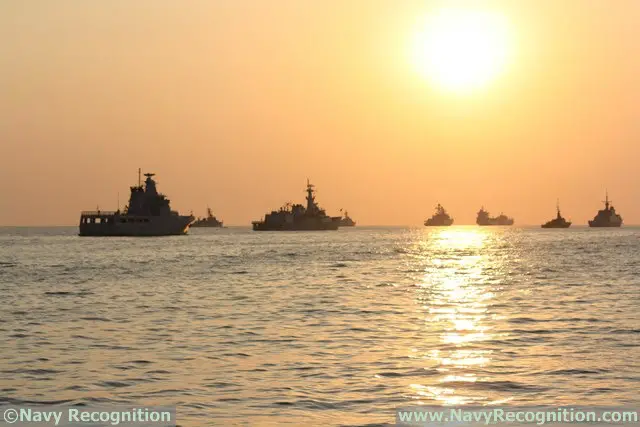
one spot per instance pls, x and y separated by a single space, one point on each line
455 295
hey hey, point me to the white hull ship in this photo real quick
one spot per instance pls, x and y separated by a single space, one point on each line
147 214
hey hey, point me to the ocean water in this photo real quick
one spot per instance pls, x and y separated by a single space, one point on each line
320 328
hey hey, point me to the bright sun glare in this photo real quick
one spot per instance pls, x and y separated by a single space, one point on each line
461 50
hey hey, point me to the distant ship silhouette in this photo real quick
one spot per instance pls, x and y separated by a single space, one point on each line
298 217
346 221
558 221
606 217
440 218
484 218
209 221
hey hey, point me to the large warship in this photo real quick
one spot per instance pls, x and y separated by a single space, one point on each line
558 221
147 214
606 217
209 221
440 218
298 217
346 220
484 218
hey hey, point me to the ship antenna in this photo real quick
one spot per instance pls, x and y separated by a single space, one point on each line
139 177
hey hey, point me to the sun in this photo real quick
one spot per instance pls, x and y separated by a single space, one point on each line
462 50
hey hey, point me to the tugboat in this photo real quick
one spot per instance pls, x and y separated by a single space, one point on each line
440 218
346 221
298 217
209 221
606 217
558 221
147 214
484 218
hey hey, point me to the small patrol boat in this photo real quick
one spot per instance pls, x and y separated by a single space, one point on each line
209 221
346 221
558 221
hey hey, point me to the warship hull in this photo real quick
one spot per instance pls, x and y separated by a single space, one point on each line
209 221
298 217
438 223
483 219
556 225
148 213
495 222
606 218
558 221
605 224
440 219
114 225
207 224
303 225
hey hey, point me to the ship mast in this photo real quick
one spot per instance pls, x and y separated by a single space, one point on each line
606 200
139 177
310 199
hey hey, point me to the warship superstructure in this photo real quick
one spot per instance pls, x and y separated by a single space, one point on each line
298 217
606 217
209 221
346 220
147 214
484 218
440 218
558 221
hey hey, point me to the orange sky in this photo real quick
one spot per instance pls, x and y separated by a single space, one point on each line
235 103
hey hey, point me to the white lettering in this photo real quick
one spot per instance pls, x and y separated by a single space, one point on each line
73 415
456 415
25 414
39 416
479 416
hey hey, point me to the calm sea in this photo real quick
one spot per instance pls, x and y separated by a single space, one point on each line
236 327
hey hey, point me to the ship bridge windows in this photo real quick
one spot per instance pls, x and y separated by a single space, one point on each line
96 220
134 220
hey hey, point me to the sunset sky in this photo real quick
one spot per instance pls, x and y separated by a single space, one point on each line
235 103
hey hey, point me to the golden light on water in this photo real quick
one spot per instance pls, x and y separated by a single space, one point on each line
455 297
461 238
461 50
